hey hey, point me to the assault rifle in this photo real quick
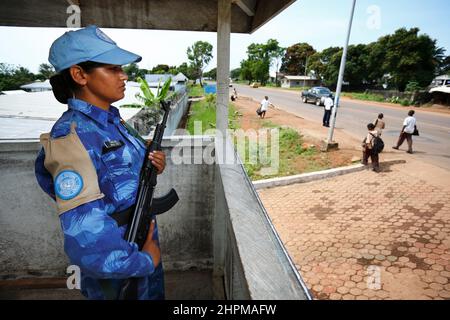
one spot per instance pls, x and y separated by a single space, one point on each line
146 206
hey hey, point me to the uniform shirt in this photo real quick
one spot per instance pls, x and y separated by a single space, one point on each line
369 139
92 239
409 123
379 126
264 105
328 103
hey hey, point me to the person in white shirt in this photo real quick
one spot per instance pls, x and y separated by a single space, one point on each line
409 126
328 105
265 103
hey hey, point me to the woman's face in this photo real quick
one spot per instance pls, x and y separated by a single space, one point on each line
107 83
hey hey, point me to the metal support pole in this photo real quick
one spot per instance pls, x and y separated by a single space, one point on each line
340 78
223 63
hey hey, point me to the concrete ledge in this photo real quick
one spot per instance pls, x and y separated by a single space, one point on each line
312 176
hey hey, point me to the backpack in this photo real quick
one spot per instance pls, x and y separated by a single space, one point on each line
377 144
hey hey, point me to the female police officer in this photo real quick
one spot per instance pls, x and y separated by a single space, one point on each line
90 166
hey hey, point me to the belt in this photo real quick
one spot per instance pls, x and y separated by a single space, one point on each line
123 217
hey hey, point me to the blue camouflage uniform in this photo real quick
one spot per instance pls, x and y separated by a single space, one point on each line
92 239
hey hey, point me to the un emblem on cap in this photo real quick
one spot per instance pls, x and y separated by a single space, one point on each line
103 36
68 184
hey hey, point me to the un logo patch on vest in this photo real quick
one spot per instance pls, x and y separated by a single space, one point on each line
68 184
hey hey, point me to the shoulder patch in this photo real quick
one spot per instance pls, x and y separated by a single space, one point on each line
74 175
68 184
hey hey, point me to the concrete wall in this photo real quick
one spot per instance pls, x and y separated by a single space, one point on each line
219 224
177 113
144 123
30 236
31 242
255 263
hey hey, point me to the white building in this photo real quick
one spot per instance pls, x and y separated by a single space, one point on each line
298 81
37 86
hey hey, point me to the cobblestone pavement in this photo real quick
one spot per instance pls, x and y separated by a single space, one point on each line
366 235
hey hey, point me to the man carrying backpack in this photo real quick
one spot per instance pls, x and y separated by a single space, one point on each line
372 146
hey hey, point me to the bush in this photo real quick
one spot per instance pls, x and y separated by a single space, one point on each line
404 102
210 100
394 99
412 86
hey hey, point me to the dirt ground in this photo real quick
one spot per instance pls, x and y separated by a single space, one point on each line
313 134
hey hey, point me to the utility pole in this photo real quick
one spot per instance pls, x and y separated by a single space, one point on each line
329 143
306 67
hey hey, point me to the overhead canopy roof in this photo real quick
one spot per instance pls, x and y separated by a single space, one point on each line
188 15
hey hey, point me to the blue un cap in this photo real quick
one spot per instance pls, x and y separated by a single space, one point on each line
87 44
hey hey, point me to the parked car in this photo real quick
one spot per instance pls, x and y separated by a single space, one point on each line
254 85
316 95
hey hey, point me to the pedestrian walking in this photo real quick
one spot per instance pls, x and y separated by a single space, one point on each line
409 129
264 105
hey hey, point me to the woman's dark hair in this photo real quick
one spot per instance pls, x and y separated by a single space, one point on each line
64 86
370 126
380 116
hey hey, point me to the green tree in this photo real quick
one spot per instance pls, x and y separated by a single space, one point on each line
319 63
276 53
173 70
246 71
235 73
331 70
259 62
199 55
160 69
260 57
356 65
295 59
133 71
45 71
12 77
211 74
184 69
444 67
410 57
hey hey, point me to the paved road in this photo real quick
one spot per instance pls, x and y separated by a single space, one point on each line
432 146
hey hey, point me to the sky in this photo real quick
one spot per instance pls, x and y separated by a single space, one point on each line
322 24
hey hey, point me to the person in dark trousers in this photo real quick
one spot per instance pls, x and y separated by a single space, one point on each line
264 105
328 106
368 148
409 126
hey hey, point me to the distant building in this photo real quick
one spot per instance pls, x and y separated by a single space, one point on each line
180 78
298 81
37 86
178 82
26 115
10 92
